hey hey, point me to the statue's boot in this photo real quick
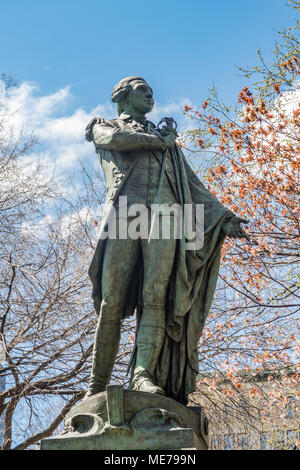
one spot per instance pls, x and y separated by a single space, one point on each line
106 346
150 340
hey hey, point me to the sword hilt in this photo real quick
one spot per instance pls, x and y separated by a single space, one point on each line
170 125
170 122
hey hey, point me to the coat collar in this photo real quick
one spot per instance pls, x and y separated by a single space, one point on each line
127 117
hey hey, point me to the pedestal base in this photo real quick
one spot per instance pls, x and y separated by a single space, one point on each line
121 419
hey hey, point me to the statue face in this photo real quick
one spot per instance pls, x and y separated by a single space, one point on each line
140 98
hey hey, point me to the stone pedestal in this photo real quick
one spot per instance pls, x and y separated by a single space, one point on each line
121 419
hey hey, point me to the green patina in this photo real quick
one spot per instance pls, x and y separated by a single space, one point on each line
169 287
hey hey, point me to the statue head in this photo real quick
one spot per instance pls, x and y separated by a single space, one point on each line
134 95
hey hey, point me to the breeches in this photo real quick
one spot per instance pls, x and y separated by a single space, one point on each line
120 260
119 263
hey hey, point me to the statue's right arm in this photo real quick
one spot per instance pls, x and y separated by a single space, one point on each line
107 136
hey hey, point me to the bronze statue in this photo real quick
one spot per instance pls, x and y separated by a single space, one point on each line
169 286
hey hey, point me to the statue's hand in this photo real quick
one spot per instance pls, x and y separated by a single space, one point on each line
170 139
232 228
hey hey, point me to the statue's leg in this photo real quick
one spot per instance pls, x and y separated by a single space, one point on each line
158 258
118 265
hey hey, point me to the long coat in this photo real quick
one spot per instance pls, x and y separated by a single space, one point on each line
192 282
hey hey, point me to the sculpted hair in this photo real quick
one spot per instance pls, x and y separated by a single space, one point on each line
121 91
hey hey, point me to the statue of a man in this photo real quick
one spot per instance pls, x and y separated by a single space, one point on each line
169 287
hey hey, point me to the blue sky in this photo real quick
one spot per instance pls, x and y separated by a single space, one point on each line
68 55
179 46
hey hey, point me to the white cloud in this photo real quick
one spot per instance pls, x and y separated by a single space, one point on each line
284 105
61 136
25 109
289 100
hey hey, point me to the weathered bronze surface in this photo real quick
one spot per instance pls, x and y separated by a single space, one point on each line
170 288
